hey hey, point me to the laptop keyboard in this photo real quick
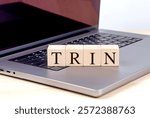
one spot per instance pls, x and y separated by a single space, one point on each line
39 58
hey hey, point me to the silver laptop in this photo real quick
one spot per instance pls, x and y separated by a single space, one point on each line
27 27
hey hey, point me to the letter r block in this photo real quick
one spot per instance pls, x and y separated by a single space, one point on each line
56 55
110 55
74 55
92 55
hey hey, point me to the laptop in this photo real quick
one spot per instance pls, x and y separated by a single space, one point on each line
28 27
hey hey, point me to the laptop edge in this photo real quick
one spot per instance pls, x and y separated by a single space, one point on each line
85 80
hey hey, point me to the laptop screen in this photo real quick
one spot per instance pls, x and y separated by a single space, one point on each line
26 21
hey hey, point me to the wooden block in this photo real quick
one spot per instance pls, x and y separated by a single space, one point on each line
110 55
56 55
92 55
74 55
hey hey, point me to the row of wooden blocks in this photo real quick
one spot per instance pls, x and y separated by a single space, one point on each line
83 55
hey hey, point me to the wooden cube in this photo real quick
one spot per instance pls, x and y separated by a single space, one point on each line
74 55
110 55
56 55
92 55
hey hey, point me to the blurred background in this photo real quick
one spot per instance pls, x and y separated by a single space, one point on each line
126 15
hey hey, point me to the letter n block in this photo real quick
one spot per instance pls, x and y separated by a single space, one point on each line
56 55
110 55
92 55
74 55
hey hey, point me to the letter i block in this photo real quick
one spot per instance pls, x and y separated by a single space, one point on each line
92 55
74 55
110 55
56 55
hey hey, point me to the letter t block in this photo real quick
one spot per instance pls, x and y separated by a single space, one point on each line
56 55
